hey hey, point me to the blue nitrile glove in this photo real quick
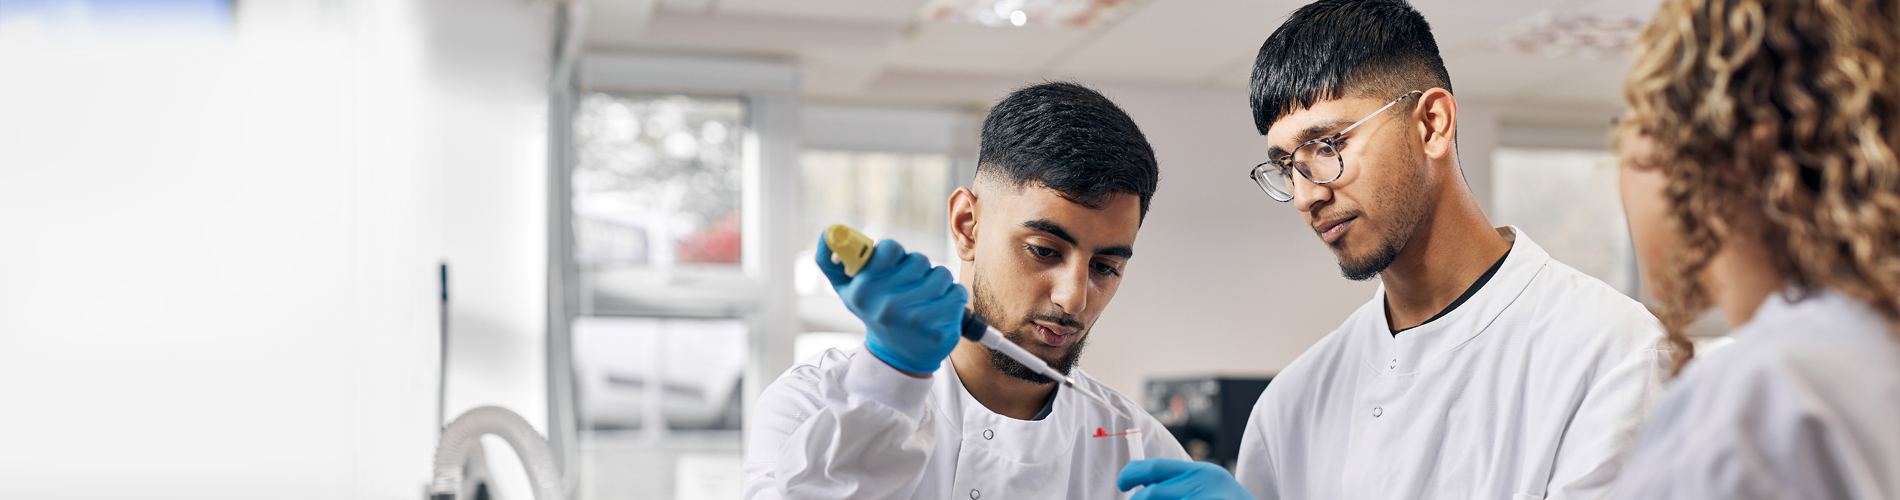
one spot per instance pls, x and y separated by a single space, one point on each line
912 312
1168 479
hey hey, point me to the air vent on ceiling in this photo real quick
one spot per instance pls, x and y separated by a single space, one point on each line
1568 34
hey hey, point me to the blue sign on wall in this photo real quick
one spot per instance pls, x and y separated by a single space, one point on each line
118 11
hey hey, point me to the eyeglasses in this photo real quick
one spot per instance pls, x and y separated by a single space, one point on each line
1318 160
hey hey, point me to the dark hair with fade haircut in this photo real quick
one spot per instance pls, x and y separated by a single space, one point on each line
1070 139
1332 49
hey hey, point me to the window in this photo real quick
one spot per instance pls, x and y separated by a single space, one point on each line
658 190
658 352
655 375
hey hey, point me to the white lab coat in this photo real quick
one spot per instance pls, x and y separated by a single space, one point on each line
1804 404
1533 388
846 425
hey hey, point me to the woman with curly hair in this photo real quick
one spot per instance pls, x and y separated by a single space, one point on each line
1759 175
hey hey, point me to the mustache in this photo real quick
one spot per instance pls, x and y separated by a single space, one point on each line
1339 213
1067 320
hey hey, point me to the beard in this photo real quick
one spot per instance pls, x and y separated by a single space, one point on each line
984 305
1408 213
1369 266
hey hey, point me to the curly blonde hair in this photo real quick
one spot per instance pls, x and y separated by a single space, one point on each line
1782 111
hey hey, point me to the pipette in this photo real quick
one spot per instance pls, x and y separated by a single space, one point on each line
977 329
853 249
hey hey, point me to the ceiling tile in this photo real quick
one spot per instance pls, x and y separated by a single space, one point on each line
1179 41
878 48
1460 26
982 50
943 89
611 21
877 11
744 35
840 71
1640 9
698 7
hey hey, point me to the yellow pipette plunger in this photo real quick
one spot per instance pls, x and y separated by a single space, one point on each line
849 247
853 249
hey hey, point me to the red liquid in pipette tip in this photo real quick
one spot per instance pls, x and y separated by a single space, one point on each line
1103 433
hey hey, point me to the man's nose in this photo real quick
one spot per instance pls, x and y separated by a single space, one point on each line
1308 195
1071 290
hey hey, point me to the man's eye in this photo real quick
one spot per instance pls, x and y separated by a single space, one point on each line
1106 269
1040 251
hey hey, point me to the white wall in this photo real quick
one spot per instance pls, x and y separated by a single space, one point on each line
217 278
486 131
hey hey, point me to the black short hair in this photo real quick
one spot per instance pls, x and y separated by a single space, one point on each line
1071 139
1332 49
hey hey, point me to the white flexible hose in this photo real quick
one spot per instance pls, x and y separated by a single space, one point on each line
467 430
475 474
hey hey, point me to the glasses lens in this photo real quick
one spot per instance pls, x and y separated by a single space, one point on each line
1273 180
1319 161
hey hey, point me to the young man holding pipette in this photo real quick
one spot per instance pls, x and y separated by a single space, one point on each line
1044 235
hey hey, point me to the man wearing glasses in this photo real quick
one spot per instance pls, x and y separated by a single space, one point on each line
1482 368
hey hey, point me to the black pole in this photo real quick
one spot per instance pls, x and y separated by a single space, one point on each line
442 325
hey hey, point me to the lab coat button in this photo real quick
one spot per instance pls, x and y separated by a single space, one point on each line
1394 365
1376 411
987 434
975 494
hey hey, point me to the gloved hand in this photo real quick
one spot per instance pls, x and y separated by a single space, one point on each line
1169 479
912 312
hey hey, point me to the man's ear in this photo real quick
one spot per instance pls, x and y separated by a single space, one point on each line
1438 120
963 223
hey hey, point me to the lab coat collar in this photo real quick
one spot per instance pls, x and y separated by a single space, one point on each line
944 397
1414 348
1021 441
1791 305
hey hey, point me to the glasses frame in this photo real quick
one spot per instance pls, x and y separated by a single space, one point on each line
1283 162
